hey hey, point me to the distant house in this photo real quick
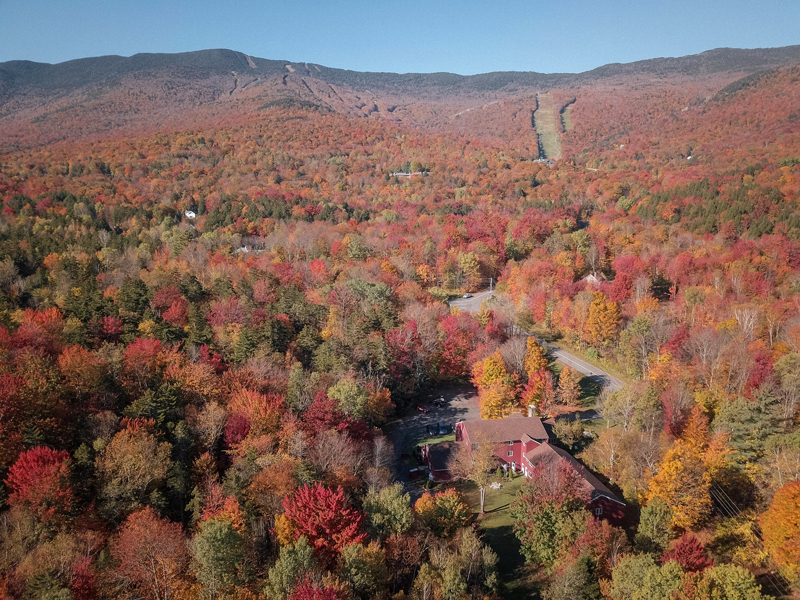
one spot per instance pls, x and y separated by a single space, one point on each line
594 279
189 214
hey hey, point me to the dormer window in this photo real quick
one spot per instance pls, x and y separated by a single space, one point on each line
510 443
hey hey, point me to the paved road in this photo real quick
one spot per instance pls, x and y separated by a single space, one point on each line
581 366
474 304
471 304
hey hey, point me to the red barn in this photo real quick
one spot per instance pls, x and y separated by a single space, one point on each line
437 457
523 444
602 501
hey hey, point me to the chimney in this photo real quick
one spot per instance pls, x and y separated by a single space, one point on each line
531 410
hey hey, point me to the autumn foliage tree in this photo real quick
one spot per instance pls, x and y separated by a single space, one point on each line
780 525
132 469
39 482
476 462
151 555
603 323
444 512
689 553
496 387
536 392
325 519
549 513
683 483
569 389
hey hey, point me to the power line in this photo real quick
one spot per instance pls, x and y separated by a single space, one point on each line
717 492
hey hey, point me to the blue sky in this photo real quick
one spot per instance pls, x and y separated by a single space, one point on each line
465 36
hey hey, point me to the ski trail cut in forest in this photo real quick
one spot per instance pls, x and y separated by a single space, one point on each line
566 115
546 129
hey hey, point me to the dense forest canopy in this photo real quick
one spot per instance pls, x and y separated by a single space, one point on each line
213 299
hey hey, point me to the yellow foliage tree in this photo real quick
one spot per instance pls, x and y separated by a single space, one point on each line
496 387
602 325
497 400
489 370
683 483
535 358
284 530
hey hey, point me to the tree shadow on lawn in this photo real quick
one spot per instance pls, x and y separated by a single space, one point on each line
517 580
590 390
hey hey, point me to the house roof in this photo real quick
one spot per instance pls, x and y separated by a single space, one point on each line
439 455
511 428
551 456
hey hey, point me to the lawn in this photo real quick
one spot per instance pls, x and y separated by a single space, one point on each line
450 437
496 524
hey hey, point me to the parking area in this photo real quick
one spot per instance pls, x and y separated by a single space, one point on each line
460 403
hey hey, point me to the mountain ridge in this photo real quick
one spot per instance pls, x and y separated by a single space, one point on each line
44 103
82 71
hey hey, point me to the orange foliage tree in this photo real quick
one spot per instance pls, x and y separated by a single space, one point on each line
780 525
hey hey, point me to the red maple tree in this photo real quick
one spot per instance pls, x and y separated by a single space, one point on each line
39 481
325 518
689 553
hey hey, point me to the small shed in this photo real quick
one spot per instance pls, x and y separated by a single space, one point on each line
437 457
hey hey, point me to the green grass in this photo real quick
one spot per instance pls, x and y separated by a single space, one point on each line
496 524
436 439
545 119
590 390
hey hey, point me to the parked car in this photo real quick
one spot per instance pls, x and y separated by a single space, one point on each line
444 429
467 296
439 402
433 430
424 409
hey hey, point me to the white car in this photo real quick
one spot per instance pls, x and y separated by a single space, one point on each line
467 296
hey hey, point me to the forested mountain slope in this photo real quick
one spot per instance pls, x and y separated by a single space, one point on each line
218 281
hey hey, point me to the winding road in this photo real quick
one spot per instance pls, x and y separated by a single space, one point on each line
581 366
473 304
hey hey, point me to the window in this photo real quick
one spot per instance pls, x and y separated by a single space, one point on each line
510 453
510 443
598 511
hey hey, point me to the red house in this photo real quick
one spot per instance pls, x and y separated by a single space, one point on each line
523 445
602 501
515 436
